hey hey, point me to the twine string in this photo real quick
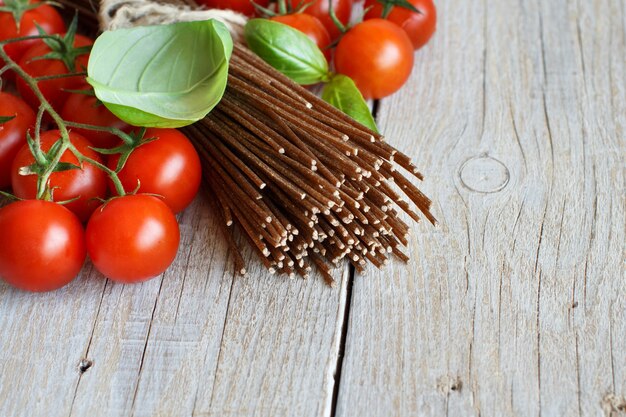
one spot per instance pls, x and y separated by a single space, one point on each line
117 14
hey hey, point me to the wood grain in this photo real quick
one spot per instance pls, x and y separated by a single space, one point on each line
515 304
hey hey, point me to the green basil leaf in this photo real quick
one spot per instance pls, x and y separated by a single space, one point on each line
342 93
288 50
161 76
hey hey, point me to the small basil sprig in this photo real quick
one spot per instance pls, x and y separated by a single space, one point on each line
288 50
343 94
161 76
298 57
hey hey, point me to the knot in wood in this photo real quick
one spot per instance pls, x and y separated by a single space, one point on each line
84 365
484 174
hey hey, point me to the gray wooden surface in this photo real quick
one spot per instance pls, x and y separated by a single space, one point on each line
514 305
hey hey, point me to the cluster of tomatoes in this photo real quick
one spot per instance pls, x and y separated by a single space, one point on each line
119 213
376 53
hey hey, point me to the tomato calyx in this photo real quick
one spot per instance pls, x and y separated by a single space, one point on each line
63 49
5 119
17 8
130 142
86 92
43 160
388 5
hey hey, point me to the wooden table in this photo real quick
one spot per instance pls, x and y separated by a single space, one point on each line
514 305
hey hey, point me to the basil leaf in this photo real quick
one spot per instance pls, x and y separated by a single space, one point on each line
161 76
288 50
342 93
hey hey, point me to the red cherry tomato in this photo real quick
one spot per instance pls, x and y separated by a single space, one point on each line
168 166
44 245
419 27
320 9
132 238
45 16
377 55
88 183
12 133
241 6
311 27
86 109
54 90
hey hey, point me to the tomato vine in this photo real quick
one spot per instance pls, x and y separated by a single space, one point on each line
47 164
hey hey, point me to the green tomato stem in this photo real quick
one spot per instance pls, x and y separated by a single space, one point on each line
4 69
119 188
58 76
28 38
36 150
282 8
44 107
126 138
331 12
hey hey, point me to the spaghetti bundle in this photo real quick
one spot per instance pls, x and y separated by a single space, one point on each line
307 184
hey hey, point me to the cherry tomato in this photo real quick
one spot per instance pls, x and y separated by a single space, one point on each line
311 27
241 6
419 27
319 9
13 132
377 55
88 183
86 109
45 16
44 245
168 166
132 238
54 90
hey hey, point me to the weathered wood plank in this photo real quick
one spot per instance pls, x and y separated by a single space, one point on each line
515 304
42 342
279 349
